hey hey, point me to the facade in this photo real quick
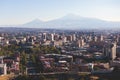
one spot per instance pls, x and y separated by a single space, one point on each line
110 51
3 69
81 43
113 51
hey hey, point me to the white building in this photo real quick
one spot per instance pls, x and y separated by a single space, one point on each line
52 37
3 69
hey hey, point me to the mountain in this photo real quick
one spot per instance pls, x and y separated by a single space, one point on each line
35 23
76 22
73 22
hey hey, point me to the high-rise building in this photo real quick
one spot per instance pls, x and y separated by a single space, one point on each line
110 51
69 38
95 38
64 39
74 37
81 43
101 38
113 51
44 36
52 37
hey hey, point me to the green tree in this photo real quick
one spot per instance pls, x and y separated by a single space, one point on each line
23 61
33 58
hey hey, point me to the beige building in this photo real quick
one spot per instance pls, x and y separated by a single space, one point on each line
113 51
81 43
110 51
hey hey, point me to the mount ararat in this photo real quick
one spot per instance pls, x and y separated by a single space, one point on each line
72 22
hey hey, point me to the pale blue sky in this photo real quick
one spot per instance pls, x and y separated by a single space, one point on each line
22 11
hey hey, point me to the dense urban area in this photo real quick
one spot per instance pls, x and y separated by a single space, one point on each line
50 54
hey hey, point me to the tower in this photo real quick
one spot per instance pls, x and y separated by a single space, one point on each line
113 51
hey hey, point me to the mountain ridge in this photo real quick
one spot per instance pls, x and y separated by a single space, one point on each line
72 22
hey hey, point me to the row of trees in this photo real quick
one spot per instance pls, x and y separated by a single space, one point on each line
8 50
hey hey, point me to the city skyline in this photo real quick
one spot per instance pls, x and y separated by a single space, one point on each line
19 12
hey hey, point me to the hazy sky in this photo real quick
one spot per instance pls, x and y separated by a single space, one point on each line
22 11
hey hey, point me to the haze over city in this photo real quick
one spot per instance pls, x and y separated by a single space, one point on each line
14 12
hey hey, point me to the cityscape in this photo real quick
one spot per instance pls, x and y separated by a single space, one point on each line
59 53
59 40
